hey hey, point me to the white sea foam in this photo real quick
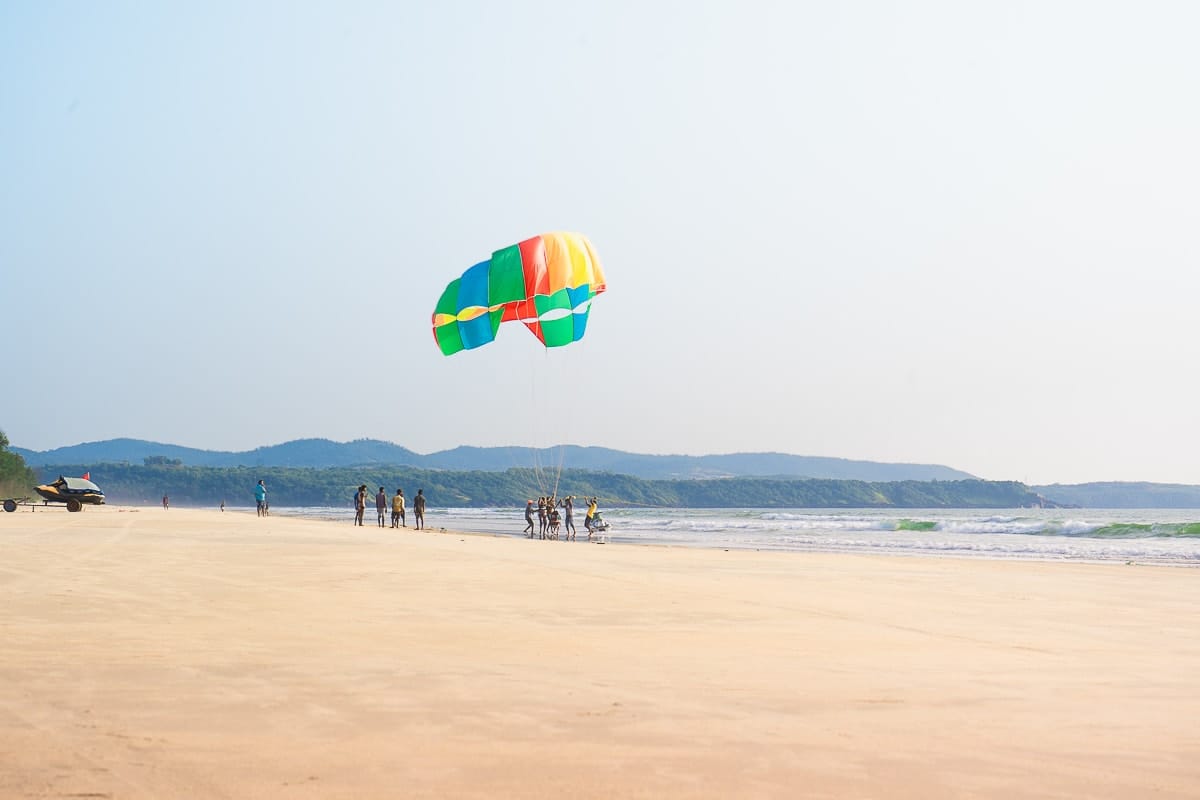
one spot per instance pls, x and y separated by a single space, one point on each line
1039 534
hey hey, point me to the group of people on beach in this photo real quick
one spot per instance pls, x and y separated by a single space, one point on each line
396 504
382 504
551 523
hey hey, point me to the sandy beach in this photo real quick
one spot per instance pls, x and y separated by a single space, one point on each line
156 654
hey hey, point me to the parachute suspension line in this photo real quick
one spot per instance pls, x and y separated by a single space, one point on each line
537 371
533 432
561 446
548 465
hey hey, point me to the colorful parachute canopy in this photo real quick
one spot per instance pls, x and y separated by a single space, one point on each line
547 283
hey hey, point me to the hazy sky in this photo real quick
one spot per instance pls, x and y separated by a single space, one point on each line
938 232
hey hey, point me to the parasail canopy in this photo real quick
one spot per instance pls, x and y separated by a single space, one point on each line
546 283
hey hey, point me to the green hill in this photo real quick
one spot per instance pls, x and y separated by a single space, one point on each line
322 453
304 486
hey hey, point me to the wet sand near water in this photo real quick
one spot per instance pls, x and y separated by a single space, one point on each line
149 654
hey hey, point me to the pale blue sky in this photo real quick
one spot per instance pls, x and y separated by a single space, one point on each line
957 233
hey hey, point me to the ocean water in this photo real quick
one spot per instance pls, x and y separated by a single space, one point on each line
1146 536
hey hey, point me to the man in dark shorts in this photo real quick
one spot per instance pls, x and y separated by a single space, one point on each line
381 505
419 509
568 505
360 504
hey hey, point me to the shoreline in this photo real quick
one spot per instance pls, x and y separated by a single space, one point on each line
188 652
322 514
766 534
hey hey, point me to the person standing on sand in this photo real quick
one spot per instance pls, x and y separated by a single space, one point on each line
528 518
587 519
542 517
260 498
381 504
419 509
398 509
165 502
568 505
360 504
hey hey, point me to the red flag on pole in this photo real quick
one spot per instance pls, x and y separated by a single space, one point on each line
87 476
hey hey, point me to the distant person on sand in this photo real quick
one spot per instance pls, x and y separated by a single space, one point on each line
542 517
568 505
398 510
360 504
587 519
260 497
381 505
165 503
419 509
528 518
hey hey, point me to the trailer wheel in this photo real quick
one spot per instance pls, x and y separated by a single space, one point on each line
73 504
10 506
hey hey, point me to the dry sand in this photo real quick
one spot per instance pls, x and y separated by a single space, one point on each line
193 654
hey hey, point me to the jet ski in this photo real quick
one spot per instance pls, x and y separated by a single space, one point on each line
75 492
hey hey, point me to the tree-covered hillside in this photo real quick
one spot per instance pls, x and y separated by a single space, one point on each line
323 453
16 479
293 486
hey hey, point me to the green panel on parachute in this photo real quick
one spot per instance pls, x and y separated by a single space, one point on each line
447 336
506 278
560 331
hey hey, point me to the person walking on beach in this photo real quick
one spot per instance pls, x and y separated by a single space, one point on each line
542 517
260 498
419 509
381 505
568 505
529 518
398 509
165 502
360 504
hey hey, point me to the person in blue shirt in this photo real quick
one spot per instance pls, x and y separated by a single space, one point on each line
260 496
